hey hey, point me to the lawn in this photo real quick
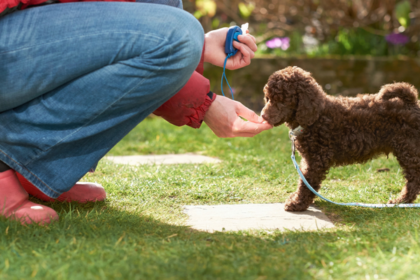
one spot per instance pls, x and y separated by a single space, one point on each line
140 232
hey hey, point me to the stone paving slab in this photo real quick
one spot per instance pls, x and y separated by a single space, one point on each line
254 216
163 159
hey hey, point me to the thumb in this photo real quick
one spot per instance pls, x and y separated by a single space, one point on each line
248 114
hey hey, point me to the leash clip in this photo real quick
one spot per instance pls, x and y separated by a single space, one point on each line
293 134
293 147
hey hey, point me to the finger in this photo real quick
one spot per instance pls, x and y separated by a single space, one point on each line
247 54
245 47
248 40
241 59
246 134
253 38
248 114
249 127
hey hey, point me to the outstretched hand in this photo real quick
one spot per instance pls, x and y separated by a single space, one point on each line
214 52
223 118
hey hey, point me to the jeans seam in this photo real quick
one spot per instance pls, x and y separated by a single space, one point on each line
156 38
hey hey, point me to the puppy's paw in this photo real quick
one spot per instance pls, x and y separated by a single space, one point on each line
393 201
398 201
295 206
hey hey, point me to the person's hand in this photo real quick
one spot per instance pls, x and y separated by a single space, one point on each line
223 118
214 52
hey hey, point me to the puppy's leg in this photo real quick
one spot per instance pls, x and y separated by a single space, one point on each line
303 197
409 159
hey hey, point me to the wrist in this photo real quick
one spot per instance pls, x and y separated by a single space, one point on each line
211 96
207 50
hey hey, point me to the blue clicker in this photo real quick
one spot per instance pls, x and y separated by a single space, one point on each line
232 34
230 51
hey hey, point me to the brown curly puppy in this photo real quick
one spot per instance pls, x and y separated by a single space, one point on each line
341 131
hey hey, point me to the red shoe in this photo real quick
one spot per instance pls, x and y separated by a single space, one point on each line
15 205
81 192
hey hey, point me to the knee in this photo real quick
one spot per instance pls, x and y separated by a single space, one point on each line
179 38
175 43
184 42
195 39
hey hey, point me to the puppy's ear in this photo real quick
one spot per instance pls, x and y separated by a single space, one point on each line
311 98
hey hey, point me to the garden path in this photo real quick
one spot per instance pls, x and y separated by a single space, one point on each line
234 217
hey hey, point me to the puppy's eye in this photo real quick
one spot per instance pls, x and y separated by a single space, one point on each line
267 99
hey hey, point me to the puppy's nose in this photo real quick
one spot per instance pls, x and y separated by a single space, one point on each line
264 116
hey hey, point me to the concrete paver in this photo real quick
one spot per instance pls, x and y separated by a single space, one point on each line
254 216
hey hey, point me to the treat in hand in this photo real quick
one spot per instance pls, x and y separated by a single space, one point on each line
244 28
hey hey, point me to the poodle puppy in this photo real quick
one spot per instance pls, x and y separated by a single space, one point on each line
341 130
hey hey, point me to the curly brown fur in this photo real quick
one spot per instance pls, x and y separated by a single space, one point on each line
341 130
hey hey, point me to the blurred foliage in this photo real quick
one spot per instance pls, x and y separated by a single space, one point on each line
402 13
205 8
320 27
245 9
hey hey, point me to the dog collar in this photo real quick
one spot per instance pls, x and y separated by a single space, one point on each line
295 132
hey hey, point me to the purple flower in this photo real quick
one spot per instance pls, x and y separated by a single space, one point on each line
276 43
397 39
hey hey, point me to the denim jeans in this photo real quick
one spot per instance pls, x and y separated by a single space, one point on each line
76 78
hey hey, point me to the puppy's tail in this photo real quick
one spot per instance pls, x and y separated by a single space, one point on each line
404 91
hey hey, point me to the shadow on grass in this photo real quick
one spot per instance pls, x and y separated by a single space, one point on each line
96 240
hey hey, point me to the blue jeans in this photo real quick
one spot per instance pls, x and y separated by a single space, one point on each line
76 78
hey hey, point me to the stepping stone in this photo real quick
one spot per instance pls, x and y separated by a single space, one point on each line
163 159
213 218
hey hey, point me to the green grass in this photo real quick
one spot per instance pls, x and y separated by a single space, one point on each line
140 232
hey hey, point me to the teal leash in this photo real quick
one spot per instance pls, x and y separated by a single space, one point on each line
224 76
367 205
